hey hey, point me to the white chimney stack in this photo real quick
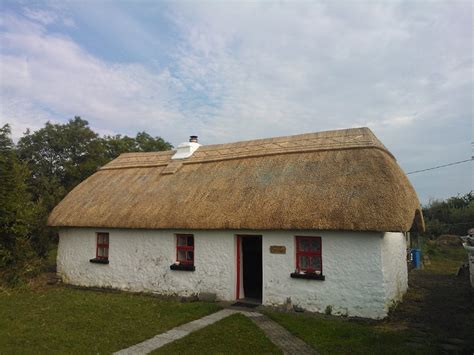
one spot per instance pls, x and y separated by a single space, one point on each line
186 149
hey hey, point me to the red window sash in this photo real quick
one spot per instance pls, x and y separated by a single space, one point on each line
316 253
102 245
184 248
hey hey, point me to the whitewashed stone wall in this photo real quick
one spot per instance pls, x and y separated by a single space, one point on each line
140 261
394 265
351 265
364 271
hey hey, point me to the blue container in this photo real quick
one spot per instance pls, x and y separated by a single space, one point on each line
416 258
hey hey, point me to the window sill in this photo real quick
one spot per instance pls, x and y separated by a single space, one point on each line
309 276
182 267
99 261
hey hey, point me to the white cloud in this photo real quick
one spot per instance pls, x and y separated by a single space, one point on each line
53 73
42 16
248 70
48 17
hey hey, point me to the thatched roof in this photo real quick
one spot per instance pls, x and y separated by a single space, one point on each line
336 180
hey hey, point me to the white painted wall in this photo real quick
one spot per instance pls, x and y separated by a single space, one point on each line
351 265
360 268
140 261
395 270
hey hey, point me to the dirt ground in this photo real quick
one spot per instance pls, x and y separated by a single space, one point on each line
438 308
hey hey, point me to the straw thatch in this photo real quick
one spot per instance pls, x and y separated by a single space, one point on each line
337 180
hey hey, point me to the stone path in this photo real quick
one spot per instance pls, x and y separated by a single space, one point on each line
287 342
175 333
279 336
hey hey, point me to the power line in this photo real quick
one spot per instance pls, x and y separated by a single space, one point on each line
441 166
450 224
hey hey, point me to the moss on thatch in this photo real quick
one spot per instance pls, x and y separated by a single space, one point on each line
337 180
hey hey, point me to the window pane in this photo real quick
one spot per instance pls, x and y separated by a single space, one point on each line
189 256
304 262
103 238
315 263
100 251
304 245
181 255
106 252
182 240
315 244
190 241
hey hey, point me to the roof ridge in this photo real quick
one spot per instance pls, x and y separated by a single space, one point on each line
352 138
292 137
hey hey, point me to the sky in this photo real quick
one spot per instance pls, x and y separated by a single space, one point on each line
229 71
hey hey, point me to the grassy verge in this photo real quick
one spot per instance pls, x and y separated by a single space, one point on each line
444 260
340 336
436 308
65 320
233 335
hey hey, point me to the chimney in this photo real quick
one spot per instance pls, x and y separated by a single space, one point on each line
186 149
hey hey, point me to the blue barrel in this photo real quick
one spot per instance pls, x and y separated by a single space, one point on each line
416 258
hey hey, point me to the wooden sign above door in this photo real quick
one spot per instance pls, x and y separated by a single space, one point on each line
277 249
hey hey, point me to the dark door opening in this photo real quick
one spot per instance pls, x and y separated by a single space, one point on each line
252 266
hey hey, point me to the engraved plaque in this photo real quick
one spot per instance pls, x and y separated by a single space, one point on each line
277 249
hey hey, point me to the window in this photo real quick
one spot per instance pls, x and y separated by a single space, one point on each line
308 255
102 252
185 249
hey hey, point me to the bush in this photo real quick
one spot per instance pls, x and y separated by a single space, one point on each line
452 216
18 215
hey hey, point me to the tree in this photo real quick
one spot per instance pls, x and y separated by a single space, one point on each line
146 143
143 142
60 156
452 216
18 213
45 165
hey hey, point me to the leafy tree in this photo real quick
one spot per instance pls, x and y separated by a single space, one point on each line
452 216
146 143
37 173
143 142
60 156
18 214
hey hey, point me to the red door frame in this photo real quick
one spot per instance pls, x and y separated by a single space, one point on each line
239 243
238 268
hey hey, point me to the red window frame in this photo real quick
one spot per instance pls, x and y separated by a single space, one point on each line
187 247
102 247
308 253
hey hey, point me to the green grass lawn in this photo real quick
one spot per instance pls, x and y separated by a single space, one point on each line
232 335
65 320
342 336
444 260
58 319
437 298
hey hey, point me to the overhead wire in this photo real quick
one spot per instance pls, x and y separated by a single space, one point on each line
440 166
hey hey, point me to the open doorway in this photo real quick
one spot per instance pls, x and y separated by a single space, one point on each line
251 270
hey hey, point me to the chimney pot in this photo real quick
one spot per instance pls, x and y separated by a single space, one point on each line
193 139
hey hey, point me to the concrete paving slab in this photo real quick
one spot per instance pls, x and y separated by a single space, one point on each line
287 342
179 332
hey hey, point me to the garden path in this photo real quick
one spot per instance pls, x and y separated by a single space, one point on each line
287 342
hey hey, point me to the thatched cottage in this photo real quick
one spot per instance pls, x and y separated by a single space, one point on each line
316 220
